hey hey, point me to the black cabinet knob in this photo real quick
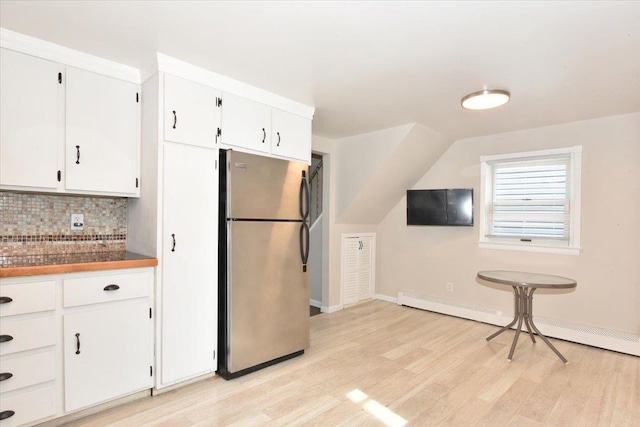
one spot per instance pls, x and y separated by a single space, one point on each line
5 338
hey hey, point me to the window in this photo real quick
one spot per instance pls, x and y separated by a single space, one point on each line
531 201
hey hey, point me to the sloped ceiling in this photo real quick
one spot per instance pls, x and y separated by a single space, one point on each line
378 168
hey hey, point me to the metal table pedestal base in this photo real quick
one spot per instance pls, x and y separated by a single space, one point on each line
523 312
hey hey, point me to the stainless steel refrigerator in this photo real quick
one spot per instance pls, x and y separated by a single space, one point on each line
263 250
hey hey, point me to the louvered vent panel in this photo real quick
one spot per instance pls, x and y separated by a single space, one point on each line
351 271
365 266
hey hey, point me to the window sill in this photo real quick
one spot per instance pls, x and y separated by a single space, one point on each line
530 248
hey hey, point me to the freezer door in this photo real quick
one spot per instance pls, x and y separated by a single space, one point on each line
265 188
268 293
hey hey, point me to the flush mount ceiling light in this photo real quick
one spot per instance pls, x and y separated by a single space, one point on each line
485 99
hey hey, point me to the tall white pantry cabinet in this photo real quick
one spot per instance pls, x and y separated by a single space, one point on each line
176 218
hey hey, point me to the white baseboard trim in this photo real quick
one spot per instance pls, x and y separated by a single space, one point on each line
332 308
315 303
596 337
386 298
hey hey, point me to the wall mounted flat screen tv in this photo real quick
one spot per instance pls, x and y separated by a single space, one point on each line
440 207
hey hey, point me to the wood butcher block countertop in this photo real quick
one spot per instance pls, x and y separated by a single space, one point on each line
35 265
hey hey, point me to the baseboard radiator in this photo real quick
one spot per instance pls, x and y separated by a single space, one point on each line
596 337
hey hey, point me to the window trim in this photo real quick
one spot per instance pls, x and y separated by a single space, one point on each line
545 246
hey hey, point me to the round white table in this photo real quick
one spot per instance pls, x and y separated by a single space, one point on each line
524 284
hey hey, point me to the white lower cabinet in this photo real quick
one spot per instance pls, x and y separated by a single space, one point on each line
70 341
27 407
28 338
107 353
28 370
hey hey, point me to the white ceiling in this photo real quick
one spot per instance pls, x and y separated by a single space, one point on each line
370 65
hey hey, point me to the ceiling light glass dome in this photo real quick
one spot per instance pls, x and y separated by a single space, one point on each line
485 99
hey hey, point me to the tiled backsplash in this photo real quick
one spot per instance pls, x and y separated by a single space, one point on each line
37 224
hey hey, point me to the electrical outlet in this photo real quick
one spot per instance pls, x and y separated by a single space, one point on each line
77 222
450 286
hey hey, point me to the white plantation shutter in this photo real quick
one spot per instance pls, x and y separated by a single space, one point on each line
531 198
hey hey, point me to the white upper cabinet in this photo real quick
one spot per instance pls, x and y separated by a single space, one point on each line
102 133
246 123
257 127
67 130
191 112
29 94
290 135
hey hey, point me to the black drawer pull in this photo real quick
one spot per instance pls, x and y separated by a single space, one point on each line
5 376
5 300
77 343
5 338
111 287
6 414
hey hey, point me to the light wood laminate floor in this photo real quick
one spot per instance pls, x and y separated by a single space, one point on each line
382 364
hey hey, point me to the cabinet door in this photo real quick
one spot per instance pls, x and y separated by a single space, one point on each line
103 134
358 268
191 112
246 124
291 136
350 249
29 111
189 262
365 268
107 353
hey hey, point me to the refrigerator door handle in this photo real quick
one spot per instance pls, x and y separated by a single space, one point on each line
304 245
304 196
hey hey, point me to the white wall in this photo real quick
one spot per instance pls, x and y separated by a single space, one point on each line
422 259
332 232
363 156
364 176
388 177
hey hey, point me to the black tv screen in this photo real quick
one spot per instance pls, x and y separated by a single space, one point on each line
440 207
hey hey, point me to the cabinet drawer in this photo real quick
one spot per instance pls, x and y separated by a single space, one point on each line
27 298
93 290
27 407
28 370
28 334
